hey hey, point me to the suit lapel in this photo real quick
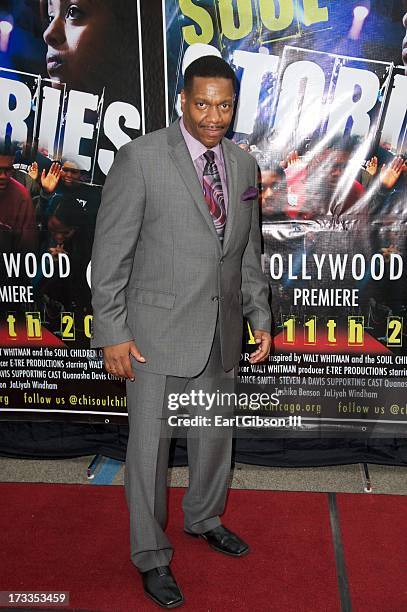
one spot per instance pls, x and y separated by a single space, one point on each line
231 178
180 155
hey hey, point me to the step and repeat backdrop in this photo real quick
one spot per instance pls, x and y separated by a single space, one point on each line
321 107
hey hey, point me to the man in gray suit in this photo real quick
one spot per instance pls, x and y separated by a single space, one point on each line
175 266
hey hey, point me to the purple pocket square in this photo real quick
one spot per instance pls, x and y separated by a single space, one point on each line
250 194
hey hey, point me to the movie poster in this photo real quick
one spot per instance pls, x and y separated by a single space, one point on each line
322 108
71 94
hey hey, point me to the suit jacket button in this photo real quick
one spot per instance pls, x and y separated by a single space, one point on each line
221 260
215 298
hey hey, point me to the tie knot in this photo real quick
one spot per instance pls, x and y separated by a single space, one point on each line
209 156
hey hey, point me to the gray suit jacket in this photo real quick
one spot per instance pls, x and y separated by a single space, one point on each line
159 272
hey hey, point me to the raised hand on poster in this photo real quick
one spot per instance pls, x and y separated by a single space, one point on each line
291 159
390 174
371 166
387 251
56 250
50 181
33 171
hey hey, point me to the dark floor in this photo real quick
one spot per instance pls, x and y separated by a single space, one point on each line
342 478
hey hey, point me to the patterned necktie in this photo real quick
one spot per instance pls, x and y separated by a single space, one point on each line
213 193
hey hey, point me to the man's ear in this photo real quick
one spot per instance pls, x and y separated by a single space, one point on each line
183 98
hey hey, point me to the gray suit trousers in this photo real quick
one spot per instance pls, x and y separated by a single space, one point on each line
209 458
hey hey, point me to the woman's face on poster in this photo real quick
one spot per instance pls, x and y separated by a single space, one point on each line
78 37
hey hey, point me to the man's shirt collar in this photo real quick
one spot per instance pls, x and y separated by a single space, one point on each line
195 147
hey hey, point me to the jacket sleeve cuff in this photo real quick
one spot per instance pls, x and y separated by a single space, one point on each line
101 339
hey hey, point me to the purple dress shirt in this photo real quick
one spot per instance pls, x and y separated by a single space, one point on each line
196 150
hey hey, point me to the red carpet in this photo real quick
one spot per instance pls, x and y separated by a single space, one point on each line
375 542
75 538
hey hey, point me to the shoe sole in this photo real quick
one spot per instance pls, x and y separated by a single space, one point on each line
168 606
224 552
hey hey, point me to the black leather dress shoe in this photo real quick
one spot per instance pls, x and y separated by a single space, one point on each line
159 584
223 540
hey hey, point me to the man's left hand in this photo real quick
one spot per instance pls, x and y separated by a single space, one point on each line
263 340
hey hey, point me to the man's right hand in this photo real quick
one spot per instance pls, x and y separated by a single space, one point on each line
117 359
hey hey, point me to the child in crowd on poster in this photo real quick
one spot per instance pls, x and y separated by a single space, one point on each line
316 184
272 189
18 230
53 185
66 179
66 232
324 183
